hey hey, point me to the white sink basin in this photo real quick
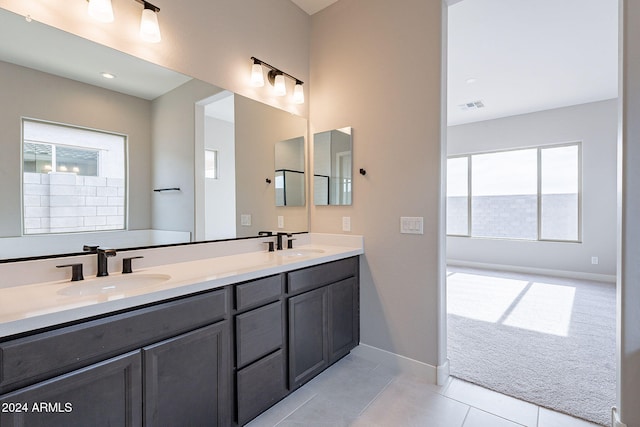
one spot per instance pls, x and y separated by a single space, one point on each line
113 284
302 252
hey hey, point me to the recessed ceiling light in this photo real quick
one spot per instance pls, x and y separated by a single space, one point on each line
108 75
471 80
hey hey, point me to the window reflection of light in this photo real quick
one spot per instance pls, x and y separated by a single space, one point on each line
535 306
481 297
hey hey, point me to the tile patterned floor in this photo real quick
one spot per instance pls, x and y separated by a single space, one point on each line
359 393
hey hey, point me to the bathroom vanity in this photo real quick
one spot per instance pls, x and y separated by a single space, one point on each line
219 354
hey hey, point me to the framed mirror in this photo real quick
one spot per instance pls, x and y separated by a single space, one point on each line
333 167
53 77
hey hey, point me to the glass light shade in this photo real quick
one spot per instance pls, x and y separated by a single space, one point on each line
100 10
298 94
279 88
257 78
149 28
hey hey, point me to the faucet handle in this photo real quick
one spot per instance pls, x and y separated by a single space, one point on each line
126 264
290 243
90 248
270 245
265 233
76 271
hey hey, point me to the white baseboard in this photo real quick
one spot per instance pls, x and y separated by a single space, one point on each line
442 373
532 270
402 364
615 418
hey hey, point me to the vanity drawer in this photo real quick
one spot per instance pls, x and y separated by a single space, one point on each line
320 275
40 356
258 292
260 385
258 333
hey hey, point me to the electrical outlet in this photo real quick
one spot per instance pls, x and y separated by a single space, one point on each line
594 260
245 220
280 221
346 223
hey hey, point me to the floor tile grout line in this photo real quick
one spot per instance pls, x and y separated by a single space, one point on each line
375 397
465 415
496 415
298 407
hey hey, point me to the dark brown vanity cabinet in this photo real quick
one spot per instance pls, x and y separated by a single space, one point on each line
260 362
217 358
108 393
323 317
166 364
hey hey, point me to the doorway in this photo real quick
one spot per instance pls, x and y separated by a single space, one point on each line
491 110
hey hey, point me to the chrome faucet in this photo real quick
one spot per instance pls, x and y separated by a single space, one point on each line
103 254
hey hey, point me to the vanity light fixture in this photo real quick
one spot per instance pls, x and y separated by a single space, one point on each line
276 78
102 11
257 79
298 93
279 88
149 28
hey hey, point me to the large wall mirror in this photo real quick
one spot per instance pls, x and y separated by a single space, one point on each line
196 156
333 167
290 182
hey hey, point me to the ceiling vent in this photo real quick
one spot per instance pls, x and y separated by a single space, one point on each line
475 105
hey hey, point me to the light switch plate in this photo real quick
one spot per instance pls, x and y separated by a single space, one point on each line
346 223
245 219
412 225
280 221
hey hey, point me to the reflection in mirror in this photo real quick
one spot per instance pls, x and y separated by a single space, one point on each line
332 167
51 76
289 177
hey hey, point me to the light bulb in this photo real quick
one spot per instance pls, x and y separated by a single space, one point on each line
257 78
279 87
298 94
100 10
149 28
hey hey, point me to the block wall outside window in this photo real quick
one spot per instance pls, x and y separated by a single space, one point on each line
63 202
530 194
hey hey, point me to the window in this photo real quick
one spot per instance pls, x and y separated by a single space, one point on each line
73 179
530 194
211 164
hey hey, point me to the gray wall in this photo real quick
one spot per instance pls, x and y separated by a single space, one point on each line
594 124
375 66
174 155
37 95
220 194
629 226
258 128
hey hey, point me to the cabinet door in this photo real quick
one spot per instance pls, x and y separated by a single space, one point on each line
344 327
186 379
308 349
105 394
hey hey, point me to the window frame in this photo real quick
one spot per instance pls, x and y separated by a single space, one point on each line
125 148
539 194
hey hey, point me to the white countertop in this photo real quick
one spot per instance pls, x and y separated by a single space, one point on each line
29 307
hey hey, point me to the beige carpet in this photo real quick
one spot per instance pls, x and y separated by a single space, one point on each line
549 341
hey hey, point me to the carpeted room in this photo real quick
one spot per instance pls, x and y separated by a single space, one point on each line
533 221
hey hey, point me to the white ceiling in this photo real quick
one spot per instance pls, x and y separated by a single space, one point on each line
526 55
47 49
530 55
